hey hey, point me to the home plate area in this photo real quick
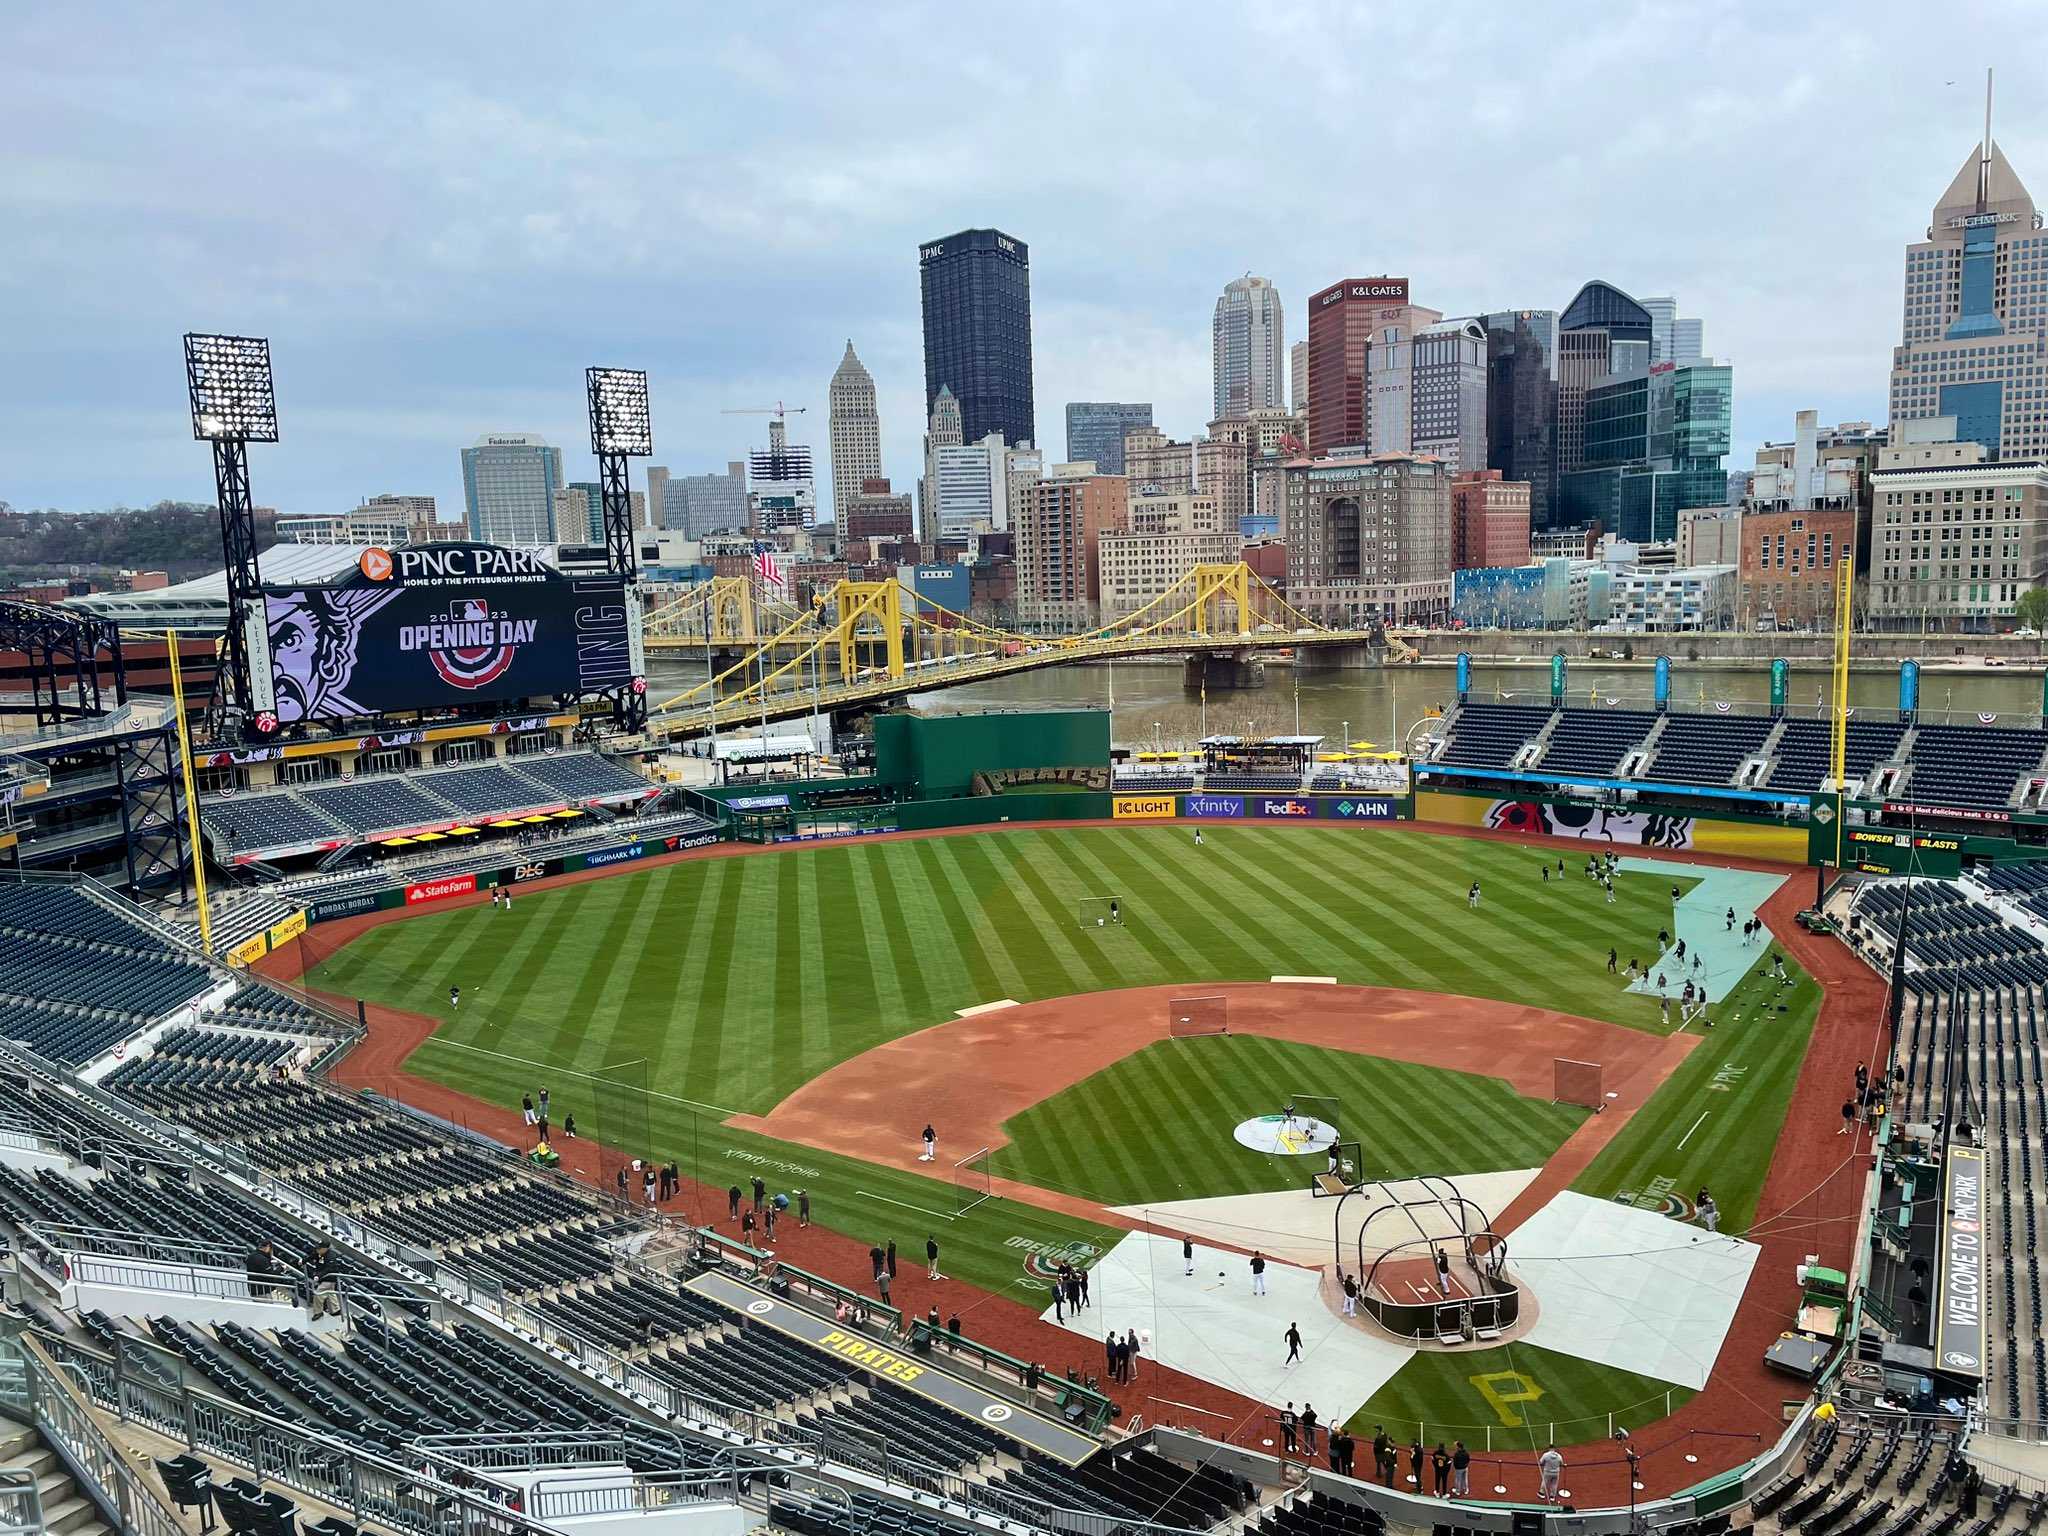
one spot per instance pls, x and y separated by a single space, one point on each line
1604 1282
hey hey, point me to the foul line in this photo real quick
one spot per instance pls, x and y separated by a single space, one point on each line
892 1200
591 1077
1688 1135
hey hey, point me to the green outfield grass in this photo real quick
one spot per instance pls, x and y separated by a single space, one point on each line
741 979
1516 1399
1157 1125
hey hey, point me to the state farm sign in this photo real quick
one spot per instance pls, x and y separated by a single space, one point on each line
439 890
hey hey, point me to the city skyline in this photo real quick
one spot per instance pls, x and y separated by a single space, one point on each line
426 286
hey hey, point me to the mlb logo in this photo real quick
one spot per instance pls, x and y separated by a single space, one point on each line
470 608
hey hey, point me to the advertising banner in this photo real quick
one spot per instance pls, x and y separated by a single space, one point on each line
1557 680
1663 682
1141 807
1959 1330
1780 671
1464 674
1282 806
1358 808
351 906
283 933
1212 805
604 856
1909 688
442 625
249 951
439 890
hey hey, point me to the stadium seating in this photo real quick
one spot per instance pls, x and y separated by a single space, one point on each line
369 806
1592 742
1970 765
1800 760
581 777
1274 783
279 819
362 808
1489 735
1974 1005
1706 749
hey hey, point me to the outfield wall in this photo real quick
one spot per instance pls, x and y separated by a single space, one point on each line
936 757
1749 837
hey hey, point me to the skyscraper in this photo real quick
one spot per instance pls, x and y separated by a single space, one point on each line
1095 431
1973 338
1521 404
1249 346
977 331
1602 333
509 480
1655 443
1673 338
1342 319
856 431
1447 394
942 431
1297 378
783 488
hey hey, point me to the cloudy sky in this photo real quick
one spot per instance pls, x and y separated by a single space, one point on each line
440 214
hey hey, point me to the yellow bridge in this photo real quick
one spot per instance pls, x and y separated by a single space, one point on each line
863 643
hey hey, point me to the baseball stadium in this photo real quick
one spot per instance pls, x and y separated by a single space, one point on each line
473 1092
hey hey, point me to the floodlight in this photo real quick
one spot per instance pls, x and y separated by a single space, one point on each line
229 377
618 412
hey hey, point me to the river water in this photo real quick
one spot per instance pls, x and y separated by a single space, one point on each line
1382 704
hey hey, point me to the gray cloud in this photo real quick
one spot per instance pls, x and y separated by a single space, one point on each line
441 213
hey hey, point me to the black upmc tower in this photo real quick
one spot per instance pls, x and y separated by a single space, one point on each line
977 331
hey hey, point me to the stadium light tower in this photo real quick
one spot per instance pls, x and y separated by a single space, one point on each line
233 405
620 428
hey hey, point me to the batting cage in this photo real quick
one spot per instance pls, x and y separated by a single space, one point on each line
1103 911
972 1177
1576 1082
1319 1115
1187 1017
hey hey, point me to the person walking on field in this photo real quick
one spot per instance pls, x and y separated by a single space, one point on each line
931 1253
1258 1267
1292 1338
1198 837
760 1193
1308 1428
1612 958
1461 1470
1848 1117
1187 1252
803 1208
1351 1296
732 1202
1287 1429
1440 1470
1549 1468
1731 919
1443 1271
931 1146
1472 896
454 999
526 1107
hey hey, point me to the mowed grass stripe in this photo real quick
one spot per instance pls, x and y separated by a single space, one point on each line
1058 913
981 982
1158 1125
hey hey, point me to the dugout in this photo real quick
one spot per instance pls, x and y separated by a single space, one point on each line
935 757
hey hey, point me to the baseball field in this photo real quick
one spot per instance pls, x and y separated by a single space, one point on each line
711 991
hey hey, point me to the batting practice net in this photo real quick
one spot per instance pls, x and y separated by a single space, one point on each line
1187 1017
1103 911
972 1177
1314 1109
1576 1082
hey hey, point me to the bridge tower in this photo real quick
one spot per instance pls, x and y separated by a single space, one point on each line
879 602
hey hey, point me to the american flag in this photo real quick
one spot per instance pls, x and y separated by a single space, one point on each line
768 571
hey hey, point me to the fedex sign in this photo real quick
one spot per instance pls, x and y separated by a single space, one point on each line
1282 806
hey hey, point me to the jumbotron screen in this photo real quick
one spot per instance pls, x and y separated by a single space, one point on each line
442 625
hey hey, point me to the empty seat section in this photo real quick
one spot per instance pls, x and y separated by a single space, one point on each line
1489 735
1800 761
1970 765
1706 749
1592 742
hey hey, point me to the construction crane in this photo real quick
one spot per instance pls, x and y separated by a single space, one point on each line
778 410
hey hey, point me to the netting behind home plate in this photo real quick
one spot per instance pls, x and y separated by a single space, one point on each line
1576 1082
1189 1016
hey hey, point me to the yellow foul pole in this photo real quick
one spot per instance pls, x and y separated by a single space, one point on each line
1838 743
191 794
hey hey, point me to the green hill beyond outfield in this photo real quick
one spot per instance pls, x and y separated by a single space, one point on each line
740 979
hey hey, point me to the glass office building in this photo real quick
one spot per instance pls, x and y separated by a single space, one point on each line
1655 443
1521 404
509 480
1095 431
977 331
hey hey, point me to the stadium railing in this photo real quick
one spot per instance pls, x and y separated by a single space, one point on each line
136 1261
60 1408
1095 1410
367 1487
